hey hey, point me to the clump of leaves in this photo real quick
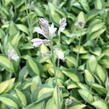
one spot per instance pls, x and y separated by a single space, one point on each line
27 72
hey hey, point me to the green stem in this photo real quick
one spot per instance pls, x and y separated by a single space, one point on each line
58 65
78 52
106 98
53 60
29 20
59 38
65 106
55 72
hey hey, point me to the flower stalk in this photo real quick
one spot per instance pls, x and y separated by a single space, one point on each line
80 25
48 31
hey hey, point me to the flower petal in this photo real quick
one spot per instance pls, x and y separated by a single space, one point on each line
37 42
62 24
80 23
59 53
43 23
40 31
52 30
12 55
15 57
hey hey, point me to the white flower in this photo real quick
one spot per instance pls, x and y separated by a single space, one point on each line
59 53
52 30
12 55
45 30
31 5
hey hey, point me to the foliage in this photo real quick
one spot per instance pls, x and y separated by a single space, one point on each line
82 78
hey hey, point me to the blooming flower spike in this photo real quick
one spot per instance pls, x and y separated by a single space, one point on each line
46 30
62 24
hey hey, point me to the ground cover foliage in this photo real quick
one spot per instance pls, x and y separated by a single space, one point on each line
27 77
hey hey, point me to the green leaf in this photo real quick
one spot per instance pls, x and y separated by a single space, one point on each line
12 29
77 106
70 84
43 91
97 33
89 77
95 27
32 65
36 83
51 104
11 84
40 105
5 62
9 102
81 17
101 73
2 33
92 64
99 89
86 95
100 105
6 85
85 5
80 49
106 51
92 14
70 60
99 4
15 40
72 75
23 73
105 61
22 97
7 1
53 14
23 28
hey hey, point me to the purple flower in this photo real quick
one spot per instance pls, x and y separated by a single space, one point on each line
31 5
46 30
43 23
45 27
68 101
62 24
12 55
40 31
59 53
37 42
80 23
